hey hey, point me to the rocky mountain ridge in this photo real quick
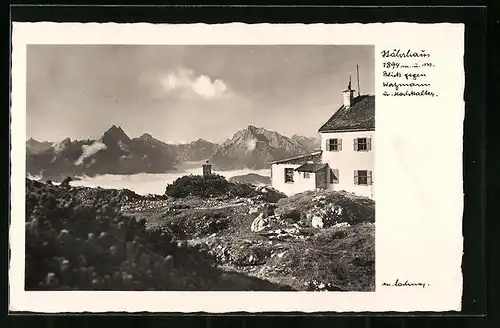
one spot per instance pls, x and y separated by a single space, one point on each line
116 153
253 148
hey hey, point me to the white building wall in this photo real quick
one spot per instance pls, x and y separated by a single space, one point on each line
300 184
347 160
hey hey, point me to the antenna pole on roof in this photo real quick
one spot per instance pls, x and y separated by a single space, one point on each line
357 71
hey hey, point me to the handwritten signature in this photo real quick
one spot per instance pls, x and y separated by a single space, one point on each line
405 283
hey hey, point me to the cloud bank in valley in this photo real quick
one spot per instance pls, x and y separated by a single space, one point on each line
90 150
185 82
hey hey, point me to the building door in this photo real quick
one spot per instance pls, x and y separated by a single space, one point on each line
321 179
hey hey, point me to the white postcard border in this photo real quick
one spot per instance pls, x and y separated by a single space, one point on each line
419 196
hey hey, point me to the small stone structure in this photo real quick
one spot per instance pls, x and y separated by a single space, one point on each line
207 169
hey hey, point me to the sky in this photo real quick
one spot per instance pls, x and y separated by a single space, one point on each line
183 93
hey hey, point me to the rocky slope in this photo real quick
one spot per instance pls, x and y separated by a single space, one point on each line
277 239
97 239
308 143
195 151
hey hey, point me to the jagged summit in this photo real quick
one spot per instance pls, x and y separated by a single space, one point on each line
66 141
256 129
32 142
146 136
115 129
115 133
201 141
33 145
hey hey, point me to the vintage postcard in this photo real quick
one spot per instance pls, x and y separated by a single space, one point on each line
236 168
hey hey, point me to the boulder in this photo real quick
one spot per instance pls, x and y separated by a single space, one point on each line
260 223
291 215
253 210
342 224
317 222
325 217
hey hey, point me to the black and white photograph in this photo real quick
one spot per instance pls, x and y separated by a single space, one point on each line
228 168
200 168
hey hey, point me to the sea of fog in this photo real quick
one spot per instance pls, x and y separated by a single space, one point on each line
145 183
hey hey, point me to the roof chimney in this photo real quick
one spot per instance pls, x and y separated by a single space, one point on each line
348 95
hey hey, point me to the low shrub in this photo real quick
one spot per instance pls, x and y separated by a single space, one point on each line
216 185
197 185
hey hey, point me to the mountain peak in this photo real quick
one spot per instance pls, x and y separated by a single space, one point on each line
253 128
115 128
66 141
32 141
117 133
200 141
254 147
146 136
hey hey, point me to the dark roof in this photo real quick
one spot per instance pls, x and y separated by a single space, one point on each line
311 167
359 116
299 159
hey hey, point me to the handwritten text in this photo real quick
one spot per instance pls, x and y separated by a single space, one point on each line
406 73
405 283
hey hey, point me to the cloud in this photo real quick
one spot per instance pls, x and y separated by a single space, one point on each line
178 142
185 82
88 151
251 144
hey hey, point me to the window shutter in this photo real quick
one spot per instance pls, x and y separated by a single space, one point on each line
368 143
369 174
327 145
355 143
336 175
339 144
355 177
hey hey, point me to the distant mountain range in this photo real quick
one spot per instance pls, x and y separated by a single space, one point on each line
252 178
116 153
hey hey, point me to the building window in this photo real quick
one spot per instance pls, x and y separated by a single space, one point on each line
334 175
362 144
334 144
307 175
362 177
288 175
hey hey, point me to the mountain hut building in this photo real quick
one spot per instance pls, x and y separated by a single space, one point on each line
346 159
